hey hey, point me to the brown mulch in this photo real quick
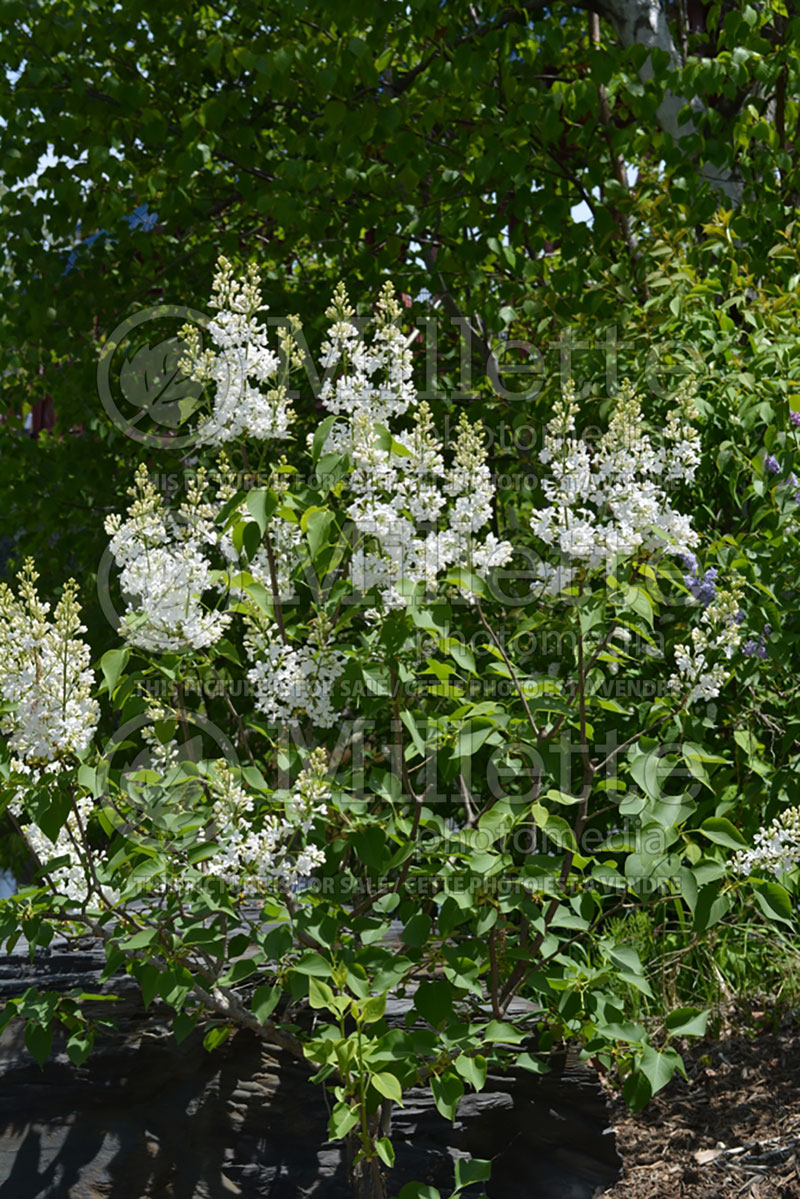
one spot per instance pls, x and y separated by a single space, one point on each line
732 1130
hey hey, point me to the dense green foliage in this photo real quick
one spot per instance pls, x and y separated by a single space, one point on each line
445 147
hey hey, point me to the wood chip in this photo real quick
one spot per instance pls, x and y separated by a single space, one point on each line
704 1156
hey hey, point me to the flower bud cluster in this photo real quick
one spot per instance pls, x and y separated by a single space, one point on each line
45 677
610 501
702 665
418 516
260 851
166 571
250 399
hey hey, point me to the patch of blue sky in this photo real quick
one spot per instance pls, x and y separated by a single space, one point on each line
141 218
582 213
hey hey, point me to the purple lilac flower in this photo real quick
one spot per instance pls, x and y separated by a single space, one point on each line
704 589
794 416
758 649
707 591
772 464
739 616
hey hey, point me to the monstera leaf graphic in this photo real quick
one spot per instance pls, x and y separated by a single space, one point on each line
153 382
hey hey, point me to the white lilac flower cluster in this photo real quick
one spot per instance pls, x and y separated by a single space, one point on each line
45 676
173 561
609 501
776 849
165 568
249 378
418 516
259 853
73 878
46 681
290 681
274 563
702 665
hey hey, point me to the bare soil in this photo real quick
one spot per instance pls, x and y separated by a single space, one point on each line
732 1130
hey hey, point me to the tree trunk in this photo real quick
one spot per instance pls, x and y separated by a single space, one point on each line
365 1176
644 23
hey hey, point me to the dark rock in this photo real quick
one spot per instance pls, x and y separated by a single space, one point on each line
146 1118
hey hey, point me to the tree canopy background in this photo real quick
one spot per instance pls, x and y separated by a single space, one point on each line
625 178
